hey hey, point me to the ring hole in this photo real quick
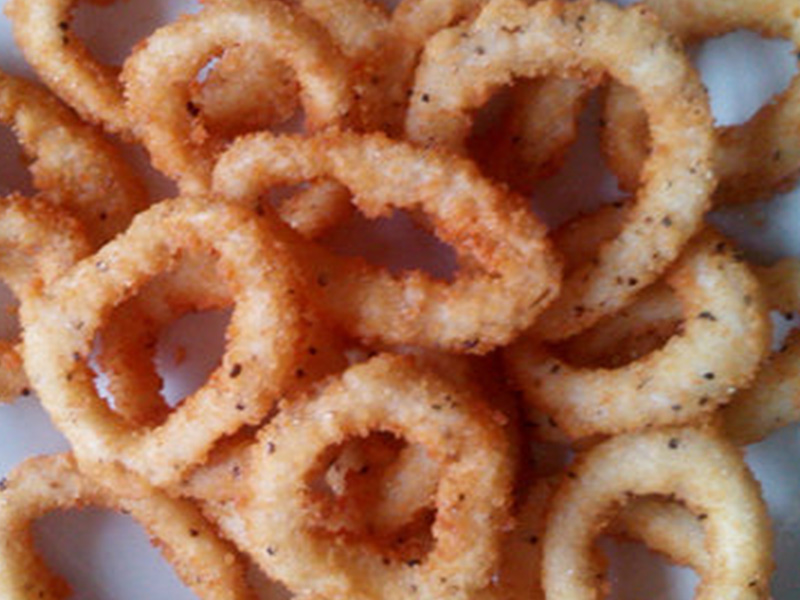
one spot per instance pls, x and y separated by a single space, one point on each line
14 174
397 243
636 572
564 176
160 346
743 71
390 5
188 352
486 128
103 555
245 89
584 182
10 328
111 29
376 491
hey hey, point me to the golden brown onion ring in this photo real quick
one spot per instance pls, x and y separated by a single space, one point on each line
725 337
267 331
510 272
51 483
753 160
705 472
39 243
772 401
390 394
158 76
464 66
72 165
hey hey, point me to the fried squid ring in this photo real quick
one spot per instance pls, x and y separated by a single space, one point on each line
463 66
699 469
158 76
510 273
49 483
541 123
38 244
753 160
388 393
268 326
42 30
638 329
362 30
127 354
726 335
71 164
772 401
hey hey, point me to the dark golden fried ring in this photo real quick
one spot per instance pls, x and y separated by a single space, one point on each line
71 164
158 77
464 66
510 272
753 160
705 472
49 483
726 336
268 326
388 393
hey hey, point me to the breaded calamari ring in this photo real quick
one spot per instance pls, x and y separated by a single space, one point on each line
532 139
772 400
50 483
508 271
464 66
39 243
725 337
43 31
700 469
753 160
157 79
71 164
392 394
266 334
127 354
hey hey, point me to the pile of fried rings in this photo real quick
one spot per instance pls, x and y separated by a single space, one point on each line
370 434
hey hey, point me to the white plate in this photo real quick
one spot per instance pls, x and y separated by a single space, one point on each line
107 556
